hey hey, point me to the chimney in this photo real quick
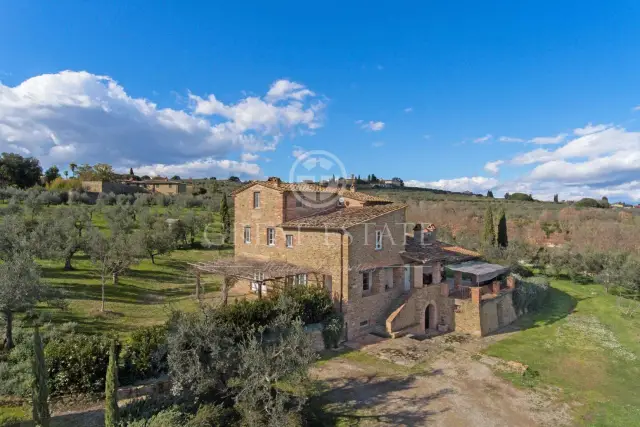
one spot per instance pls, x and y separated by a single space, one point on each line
274 180
418 236
353 182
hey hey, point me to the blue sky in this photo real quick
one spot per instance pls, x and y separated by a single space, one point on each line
427 91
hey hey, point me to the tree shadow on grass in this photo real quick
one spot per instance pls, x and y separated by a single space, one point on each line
559 305
375 399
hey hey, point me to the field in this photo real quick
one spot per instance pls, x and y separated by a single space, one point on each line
586 345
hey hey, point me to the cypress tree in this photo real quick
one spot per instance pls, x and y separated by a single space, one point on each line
489 233
40 393
111 415
226 219
490 194
502 238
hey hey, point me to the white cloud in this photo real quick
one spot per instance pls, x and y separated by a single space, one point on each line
510 139
249 157
285 89
299 153
637 108
377 144
370 125
589 129
493 167
483 139
82 117
408 109
542 140
601 160
475 184
202 167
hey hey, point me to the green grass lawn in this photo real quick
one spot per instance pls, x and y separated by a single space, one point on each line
583 343
145 295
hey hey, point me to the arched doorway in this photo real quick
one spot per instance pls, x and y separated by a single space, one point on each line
430 317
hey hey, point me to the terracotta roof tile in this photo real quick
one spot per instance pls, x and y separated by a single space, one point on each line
342 218
302 187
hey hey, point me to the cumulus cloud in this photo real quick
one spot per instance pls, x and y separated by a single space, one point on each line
493 167
589 129
483 139
249 157
475 184
510 139
82 117
370 125
600 160
542 140
202 167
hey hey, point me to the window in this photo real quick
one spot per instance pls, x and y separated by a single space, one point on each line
366 281
258 282
301 279
364 323
289 281
389 278
247 234
298 202
378 240
289 240
170 185
256 200
271 236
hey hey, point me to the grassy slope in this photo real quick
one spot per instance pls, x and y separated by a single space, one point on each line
591 352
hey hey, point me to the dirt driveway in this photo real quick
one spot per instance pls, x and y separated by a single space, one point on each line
453 386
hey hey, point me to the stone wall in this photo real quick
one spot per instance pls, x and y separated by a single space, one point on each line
467 317
366 310
497 312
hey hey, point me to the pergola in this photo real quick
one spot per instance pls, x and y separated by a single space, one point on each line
479 270
253 270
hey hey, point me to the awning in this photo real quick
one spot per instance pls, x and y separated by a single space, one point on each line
482 270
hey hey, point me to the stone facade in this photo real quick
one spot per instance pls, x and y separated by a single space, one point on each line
372 284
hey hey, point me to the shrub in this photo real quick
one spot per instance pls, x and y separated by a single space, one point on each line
332 332
107 199
521 197
248 314
65 184
145 356
588 203
530 294
315 303
77 364
521 270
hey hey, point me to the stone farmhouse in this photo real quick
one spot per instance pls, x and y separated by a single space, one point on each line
386 276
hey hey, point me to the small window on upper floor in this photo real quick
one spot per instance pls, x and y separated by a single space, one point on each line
247 234
378 240
256 199
271 236
289 240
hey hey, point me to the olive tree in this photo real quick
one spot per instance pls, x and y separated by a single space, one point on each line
154 235
111 256
21 289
